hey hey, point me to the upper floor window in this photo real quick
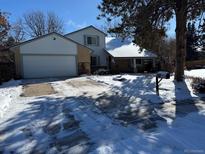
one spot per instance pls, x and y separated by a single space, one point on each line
91 40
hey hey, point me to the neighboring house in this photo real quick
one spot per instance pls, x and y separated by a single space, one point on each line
51 55
95 40
124 56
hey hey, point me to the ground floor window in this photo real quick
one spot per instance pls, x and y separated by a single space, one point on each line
138 61
95 60
148 61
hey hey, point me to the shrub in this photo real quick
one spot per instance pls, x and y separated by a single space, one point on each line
198 84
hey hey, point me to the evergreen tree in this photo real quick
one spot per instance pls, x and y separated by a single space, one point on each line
202 36
145 19
192 42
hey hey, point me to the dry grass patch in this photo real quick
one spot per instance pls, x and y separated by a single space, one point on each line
41 89
84 83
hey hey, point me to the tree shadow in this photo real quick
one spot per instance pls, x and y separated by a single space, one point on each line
141 106
45 124
130 105
49 123
184 106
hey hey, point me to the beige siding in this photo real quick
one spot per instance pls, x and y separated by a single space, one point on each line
83 60
83 54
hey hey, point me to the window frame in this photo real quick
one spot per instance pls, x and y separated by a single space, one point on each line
91 37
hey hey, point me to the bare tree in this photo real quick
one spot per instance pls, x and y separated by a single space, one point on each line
37 23
18 31
54 23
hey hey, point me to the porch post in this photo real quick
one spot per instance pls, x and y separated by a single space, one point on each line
135 66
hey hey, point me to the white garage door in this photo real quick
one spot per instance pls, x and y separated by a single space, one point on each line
41 66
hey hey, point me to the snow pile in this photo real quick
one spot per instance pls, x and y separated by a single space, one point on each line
9 91
125 48
198 73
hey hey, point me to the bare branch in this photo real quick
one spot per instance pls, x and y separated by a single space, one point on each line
54 23
18 31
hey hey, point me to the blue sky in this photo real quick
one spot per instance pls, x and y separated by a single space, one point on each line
75 13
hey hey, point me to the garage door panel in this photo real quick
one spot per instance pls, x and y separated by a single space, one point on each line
41 66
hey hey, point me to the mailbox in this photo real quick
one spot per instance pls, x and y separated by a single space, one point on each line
163 75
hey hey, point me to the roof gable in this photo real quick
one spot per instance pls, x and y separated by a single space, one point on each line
85 29
43 36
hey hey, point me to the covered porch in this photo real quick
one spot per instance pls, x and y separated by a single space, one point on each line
126 57
132 65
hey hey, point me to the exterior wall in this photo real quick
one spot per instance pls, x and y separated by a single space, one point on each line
98 50
83 60
51 44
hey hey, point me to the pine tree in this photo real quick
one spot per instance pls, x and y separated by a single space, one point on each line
192 42
202 36
145 19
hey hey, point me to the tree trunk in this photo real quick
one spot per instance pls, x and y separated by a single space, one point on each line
181 19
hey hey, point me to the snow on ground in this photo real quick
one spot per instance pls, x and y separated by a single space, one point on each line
199 73
70 122
142 87
8 93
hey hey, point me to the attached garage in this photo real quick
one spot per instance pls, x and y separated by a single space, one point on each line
41 66
51 55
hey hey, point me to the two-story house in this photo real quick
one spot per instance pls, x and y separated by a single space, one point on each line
94 39
80 52
56 55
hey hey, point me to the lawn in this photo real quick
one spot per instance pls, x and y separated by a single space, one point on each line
99 114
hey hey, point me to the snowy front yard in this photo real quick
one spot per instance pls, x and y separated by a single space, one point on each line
99 114
199 73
